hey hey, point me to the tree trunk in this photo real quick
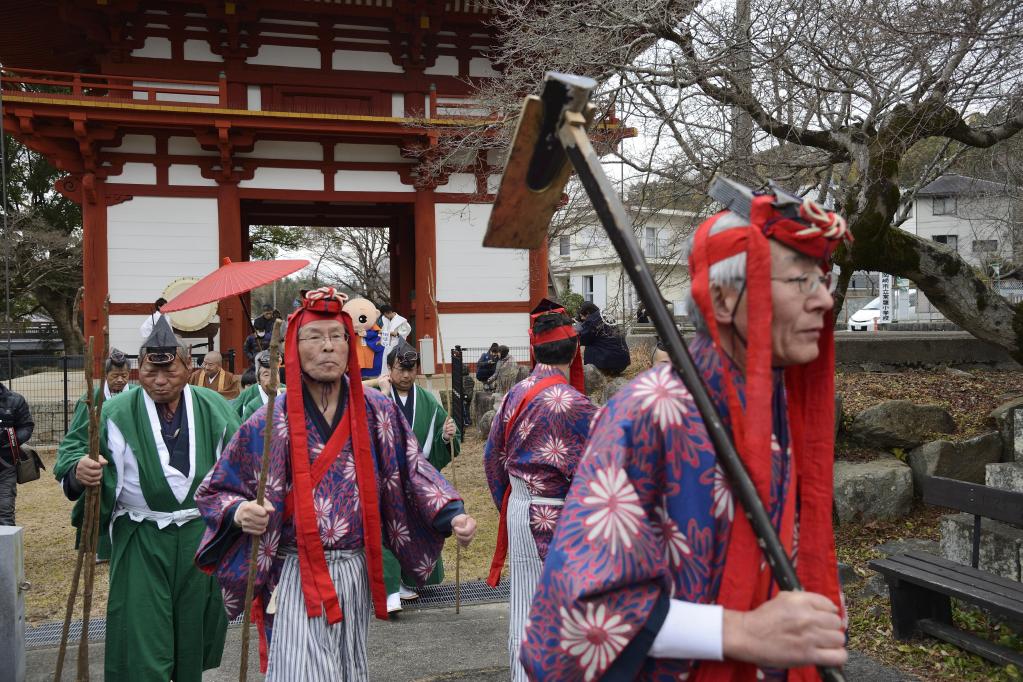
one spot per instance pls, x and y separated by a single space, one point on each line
60 308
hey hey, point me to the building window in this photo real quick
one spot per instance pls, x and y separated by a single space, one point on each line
943 205
985 246
650 250
588 288
565 246
949 240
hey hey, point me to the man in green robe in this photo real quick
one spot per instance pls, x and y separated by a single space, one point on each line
255 396
438 438
165 618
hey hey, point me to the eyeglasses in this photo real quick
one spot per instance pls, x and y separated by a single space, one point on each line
808 284
335 339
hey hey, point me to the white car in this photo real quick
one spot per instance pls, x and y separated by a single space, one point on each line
865 319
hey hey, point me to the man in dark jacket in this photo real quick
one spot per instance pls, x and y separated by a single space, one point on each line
605 348
487 363
15 428
256 343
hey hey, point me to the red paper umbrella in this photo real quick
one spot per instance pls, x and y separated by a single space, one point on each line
232 279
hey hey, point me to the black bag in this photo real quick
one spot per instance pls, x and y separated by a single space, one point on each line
29 464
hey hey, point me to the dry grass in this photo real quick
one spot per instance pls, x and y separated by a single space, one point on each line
472 484
45 515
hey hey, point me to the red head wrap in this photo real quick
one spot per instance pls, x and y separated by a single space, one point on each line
317 586
565 331
810 393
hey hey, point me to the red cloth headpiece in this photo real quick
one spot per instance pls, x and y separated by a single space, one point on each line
747 581
317 586
565 331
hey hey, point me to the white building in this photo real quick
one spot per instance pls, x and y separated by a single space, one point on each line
977 218
586 263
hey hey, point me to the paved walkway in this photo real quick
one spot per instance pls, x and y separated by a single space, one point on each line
429 645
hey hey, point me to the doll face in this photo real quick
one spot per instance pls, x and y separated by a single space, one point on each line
363 313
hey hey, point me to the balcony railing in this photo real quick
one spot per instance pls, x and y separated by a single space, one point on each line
60 85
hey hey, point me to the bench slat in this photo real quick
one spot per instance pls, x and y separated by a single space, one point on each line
974 498
948 585
980 578
970 642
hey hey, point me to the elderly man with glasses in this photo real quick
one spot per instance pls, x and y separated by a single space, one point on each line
653 573
345 472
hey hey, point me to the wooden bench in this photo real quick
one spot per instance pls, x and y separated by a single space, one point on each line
921 585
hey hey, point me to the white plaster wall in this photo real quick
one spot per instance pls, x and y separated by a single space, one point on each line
479 67
213 98
254 98
285 178
369 181
154 48
183 174
282 55
136 174
466 271
397 105
353 60
445 65
199 51
373 153
479 330
278 149
463 183
135 144
188 146
493 183
151 242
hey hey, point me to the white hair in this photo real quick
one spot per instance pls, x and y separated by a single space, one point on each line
730 272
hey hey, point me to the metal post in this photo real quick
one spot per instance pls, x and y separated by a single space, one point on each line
12 602
458 391
64 365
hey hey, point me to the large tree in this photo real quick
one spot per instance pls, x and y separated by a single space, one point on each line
832 96
43 243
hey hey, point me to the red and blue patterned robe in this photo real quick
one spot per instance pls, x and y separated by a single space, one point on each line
647 519
415 499
545 447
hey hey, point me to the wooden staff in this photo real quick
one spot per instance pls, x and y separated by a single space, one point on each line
451 443
89 536
250 585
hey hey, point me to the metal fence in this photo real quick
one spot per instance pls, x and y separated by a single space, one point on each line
52 384
471 355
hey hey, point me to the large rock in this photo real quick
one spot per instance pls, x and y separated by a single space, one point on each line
595 382
900 424
523 373
965 461
865 491
612 386
999 544
1005 476
1004 420
485 422
482 402
507 375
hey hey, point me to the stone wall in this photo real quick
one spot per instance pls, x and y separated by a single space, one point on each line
882 350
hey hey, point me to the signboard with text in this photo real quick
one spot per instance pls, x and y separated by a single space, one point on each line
887 301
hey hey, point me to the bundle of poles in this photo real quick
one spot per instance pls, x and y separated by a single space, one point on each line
89 536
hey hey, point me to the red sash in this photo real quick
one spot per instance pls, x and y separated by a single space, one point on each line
501 550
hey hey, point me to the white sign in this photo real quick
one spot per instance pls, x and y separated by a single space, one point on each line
887 301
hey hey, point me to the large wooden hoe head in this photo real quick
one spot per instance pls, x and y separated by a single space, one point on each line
537 169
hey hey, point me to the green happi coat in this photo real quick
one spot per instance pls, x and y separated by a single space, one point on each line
250 401
165 618
428 425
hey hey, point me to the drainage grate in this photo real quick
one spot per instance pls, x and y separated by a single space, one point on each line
443 596
432 597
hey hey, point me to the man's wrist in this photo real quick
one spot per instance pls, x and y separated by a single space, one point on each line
733 635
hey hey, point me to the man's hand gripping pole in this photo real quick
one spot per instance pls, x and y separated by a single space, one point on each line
551 139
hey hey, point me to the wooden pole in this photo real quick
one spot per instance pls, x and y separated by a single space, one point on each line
89 535
451 443
275 348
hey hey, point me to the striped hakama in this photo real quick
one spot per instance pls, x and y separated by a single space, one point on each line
309 649
524 565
